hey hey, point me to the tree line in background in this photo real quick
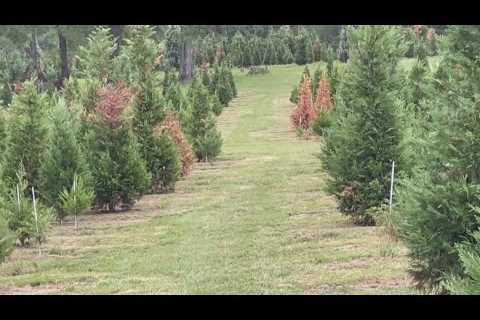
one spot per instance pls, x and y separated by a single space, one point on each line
426 120
48 51
121 125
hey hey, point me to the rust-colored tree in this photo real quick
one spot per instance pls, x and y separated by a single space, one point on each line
323 102
304 113
171 124
113 99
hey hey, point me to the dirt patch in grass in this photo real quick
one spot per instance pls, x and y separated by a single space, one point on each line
360 263
398 282
32 289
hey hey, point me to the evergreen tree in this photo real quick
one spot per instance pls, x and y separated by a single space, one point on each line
232 83
3 134
64 157
205 78
94 65
207 141
237 49
215 79
315 81
7 239
19 211
271 53
284 55
303 49
469 255
166 164
217 105
437 206
95 59
365 136
119 173
173 46
432 42
342 51
294 95
158 152
140 53
296 90
417 87
27 134
420 48
323 105
222 85
77 199
317 50
168 78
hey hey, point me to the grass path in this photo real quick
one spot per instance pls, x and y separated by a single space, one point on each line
255 221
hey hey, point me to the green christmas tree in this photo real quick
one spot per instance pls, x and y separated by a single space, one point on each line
7 239
119 172
342 51
77 199
27 135
303 49
437 206
207 141
365 136
64 157
27 218
223 87
94 60
148 107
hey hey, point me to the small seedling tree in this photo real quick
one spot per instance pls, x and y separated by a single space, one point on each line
78 199
26 217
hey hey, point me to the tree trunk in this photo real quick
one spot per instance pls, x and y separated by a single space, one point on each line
64 70
35 68
186 61
117 31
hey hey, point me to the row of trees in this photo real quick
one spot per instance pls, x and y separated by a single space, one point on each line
283 45
48 52
117 130
426 121
313 103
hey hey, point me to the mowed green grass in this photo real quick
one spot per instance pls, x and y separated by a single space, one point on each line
256 221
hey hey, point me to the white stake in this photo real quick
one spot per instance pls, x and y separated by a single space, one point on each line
391 185
18 199
75 201
36 217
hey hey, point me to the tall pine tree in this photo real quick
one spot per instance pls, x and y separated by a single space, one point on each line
365 136
27 135
437 206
